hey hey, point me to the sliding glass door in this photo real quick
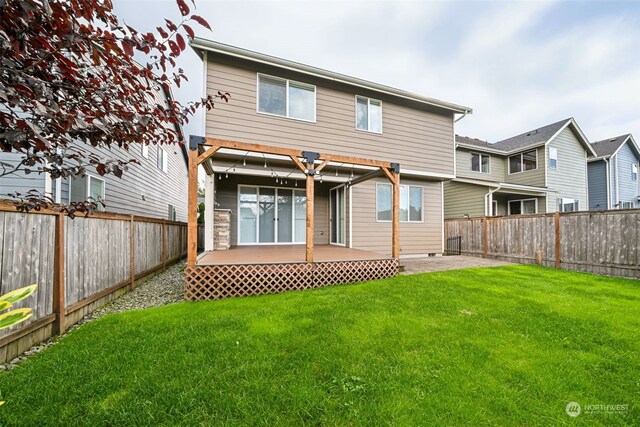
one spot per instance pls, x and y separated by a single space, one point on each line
270 215
337 214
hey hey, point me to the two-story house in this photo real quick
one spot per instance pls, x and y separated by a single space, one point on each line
154 187
542 170
280 103
613 174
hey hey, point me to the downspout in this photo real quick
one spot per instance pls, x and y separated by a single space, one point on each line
488 204
608 182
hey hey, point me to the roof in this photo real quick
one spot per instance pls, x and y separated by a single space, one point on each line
212 46
608 147
529 139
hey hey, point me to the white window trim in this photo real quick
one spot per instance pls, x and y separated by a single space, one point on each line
165 160
634 172
89 177
286 106
408 195
145 151
550 158
368 130
562 203
471 153
521 204
494 208
293 216
522 162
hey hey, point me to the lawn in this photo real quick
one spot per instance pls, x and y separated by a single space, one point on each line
494 346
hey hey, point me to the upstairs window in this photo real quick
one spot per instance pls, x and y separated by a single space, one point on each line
145 151
480 162
286 98
163 161
634 172
368 114
553 158
523 162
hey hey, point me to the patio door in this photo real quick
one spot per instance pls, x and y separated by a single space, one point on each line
269 215
337 215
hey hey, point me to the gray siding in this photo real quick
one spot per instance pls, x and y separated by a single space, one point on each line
497 166
533 177
143 190
415 238
570 178
627 190
462 199
18 182
597 185
417 139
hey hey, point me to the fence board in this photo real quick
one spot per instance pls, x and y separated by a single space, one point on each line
27 258
603 242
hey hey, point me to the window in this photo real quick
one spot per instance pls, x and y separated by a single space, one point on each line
145 151
523 162
568 205
163 161
553 158
627 205
83 188
480 162
634 172
172 212
524 206
410 203
368 114
494 208
286 98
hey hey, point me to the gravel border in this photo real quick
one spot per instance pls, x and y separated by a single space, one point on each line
163 289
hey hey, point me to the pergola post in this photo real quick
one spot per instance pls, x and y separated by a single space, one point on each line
192 204
395 231
310 217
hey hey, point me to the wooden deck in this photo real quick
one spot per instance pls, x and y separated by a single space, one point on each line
279 254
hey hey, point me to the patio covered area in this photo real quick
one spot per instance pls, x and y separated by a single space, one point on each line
248 268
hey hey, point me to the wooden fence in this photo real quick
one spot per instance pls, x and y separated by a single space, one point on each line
601 242
78 264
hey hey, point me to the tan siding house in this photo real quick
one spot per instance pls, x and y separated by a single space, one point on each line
280 103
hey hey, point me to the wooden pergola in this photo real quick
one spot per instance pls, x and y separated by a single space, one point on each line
306 162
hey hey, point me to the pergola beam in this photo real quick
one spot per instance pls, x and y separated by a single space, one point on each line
367 176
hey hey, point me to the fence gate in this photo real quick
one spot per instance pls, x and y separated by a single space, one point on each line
453 245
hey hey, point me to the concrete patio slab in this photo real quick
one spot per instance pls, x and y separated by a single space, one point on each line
443 263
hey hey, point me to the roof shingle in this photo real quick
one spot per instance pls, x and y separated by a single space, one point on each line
607 147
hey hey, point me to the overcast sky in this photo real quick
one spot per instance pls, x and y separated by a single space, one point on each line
518 65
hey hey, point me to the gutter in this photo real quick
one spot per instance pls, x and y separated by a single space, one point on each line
489 195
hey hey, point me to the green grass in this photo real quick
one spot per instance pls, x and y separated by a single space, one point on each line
494 346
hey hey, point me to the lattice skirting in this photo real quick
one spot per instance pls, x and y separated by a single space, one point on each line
206 282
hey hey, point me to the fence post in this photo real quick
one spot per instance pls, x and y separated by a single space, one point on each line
558 260
58 276
164 244
485 234
132 257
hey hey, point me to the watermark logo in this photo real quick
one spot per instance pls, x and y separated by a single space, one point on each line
573 409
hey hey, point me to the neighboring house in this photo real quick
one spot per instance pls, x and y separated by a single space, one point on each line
542 170
154 188
281 103
613 174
